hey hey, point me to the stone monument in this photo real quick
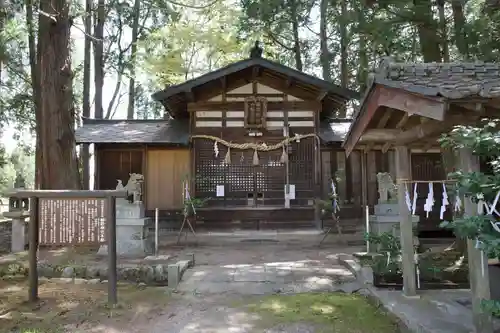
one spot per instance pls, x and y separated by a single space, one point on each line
386 217
130 220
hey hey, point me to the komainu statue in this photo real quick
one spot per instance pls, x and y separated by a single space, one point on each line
386 188
133 187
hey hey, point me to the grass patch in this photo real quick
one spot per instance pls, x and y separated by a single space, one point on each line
331 312
64 307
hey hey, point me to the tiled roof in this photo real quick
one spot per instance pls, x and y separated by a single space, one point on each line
450 80
334 131
133 131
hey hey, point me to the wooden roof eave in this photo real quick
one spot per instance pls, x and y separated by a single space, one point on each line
262 64
380 95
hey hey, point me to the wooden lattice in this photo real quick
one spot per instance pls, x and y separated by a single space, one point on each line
71 221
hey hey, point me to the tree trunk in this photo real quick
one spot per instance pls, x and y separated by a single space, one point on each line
323 41
59 165
3 15
344 71
99 58
459 27
35 87
131 85
363 52
296 40
443 31
85 154
427 31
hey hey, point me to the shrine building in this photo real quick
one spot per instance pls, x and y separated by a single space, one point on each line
260 141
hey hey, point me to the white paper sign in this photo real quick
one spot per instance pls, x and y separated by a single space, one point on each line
220 190
291 194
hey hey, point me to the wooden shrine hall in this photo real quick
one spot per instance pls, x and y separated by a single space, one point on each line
239 135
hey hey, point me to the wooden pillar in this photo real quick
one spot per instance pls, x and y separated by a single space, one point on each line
371 174
326 172
112 274
478 262
356 178
391 163
341 172
33 249
405 222
364 181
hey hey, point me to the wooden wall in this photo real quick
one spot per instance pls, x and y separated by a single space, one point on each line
248 185
117 162
165 172
227 110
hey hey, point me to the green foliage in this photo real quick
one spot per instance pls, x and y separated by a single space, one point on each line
483 141
389 253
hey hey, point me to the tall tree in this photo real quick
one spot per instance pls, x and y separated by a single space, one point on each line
99 57
427 30
325 57
85 154
35 87
59 165
459 27
344 70
443 31
133 55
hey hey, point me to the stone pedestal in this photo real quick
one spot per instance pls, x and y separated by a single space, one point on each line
18 231
130 222
386 219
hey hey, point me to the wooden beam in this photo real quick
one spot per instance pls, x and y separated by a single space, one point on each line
403 120
475 107
430 128
256 70
399 99
386 147
223 83
321 96
385 118
190 96
288 82
369 147
240 106
379 135
366 114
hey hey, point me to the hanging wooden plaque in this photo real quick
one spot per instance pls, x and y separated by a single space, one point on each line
255 112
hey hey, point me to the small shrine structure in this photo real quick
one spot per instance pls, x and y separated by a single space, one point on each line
408 106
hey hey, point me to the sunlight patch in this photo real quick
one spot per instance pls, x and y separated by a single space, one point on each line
323 308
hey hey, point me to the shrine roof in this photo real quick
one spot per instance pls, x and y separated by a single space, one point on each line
403 86
334 131
449 80
170 131
175 97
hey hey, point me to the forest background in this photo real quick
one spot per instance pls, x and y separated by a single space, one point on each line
61 60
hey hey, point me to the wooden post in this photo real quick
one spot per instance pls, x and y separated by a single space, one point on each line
33 249
478 263
111 223
405 222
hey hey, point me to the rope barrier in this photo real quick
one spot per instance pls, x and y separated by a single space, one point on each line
255 146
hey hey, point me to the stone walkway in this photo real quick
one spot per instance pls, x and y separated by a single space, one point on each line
266 278
224 276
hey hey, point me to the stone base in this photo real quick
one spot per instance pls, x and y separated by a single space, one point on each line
130 240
